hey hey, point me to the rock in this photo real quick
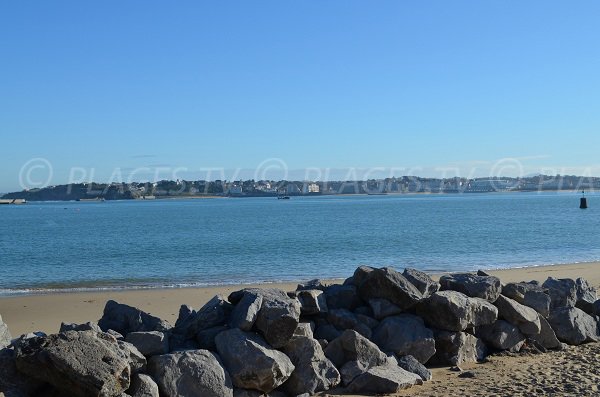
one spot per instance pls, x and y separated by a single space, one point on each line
474 286
135 358
14 383
314 372
502 335
456 348
190 373
342 297
422 281
342 319
597 308
563 292
5 337
305 329
546 338
143 386
185 311
125 319
529 294
278 317
252 363
149 343
246 311
314 284
114 333
405 334
83 363
351 346
327 332
214 313
383 308
361 274
573 326
467 375
255 393
312 302
351 370
206 337
383 380
586 296
527 319
367 320
454 311
411 364
89 326
388 284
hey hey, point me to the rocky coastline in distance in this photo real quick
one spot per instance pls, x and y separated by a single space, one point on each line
374 334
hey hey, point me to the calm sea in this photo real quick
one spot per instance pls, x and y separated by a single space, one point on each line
128 244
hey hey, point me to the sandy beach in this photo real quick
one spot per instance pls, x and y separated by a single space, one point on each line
560 373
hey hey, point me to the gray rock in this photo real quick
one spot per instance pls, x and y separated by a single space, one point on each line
361 274
454 311
114 333
456 348
351 346
255 393
388 284
546 338
586 296
185 311
529 294
526 318
315 284
149 343
342 297
125 319
472 285
190 373
89 326
206 337
83 363
314 372
573 326
403 335
5 337
143 386
351 370
12 382
383 380
367 320
278 317
135 358
383 308
424 283
502 335
563 292
597 308
312 302
327 332
252 363
246 311
342 319
305 329
214 313
411 364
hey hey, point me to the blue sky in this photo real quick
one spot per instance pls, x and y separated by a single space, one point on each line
100 89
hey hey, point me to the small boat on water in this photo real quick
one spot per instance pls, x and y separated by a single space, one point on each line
283 197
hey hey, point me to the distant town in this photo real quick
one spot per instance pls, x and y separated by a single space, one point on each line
252 188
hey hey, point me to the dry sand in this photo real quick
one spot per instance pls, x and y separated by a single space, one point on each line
573 372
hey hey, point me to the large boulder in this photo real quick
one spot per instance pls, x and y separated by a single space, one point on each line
190 373
352 346
472 285
547 337
312 301
214 313
245 311
405 334
342 297
137 361
411 364
78 363
251 362
12 382
529 294
388 284
150 343
278 317
526 318
383 308
383 379
314 372
454 311
342 319
586 296
456 348
563 292
573 326
89 326
502 335
125 319
424 283
206 337
5 336
143 386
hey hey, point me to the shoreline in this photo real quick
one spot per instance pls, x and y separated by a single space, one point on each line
45 311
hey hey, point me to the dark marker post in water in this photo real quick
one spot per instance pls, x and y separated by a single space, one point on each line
583 201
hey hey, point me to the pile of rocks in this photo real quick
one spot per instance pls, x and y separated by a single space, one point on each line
372 334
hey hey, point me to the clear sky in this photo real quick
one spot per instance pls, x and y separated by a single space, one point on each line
101 88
